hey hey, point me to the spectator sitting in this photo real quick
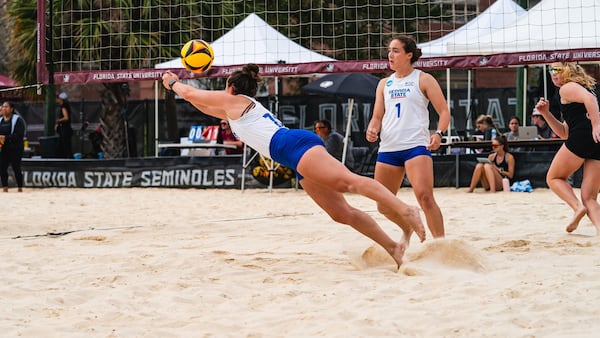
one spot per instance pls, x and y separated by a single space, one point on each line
513 133
95 138
513 126
226 136
544 130
485 126
501 167
334 142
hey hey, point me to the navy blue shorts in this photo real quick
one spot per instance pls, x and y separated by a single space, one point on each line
289 145
398 158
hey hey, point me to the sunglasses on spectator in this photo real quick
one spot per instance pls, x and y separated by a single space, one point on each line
495 145
316 128
224 123
556 70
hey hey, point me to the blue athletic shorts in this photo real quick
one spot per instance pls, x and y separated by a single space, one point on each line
289 145
398 158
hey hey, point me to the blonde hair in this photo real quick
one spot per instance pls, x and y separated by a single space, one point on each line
489 120
575 73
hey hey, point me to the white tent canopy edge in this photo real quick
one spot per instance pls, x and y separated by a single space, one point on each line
500 14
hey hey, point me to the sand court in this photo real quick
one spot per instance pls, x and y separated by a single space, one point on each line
222 263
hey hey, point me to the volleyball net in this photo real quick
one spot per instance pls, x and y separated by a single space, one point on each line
99 41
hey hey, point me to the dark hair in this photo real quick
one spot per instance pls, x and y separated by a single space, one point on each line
503 142
10 104
245 81
514 118
326 123
410 46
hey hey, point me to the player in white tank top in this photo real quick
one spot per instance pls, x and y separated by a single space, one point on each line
325 178
406 110
256 127
401 121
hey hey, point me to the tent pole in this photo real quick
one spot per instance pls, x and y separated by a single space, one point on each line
524 93
469 118
545 83
348 125
448 101
156 118
244 166
271 166
245 163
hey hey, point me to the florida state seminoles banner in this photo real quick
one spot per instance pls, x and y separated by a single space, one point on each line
172 172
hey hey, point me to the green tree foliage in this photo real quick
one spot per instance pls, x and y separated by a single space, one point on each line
83 39
125 34
21 18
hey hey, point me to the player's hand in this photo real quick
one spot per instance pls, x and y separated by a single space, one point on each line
167 77
372 134
543 105
435 140
596 133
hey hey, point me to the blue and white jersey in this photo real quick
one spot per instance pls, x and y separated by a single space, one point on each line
256 127
405 123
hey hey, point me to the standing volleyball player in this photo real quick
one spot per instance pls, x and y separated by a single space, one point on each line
581 128
323 178
401 119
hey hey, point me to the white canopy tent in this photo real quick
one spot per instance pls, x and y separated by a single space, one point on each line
551 25
500 14
252 41
255 41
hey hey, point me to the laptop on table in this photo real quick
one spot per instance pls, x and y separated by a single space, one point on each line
528 133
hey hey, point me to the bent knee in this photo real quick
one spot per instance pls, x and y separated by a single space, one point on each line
426 200
589 199
551 179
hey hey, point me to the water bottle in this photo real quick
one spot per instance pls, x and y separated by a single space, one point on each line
493 133
505 184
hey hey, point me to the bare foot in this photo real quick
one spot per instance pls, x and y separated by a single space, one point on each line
579 213
413 218
470 190
398 252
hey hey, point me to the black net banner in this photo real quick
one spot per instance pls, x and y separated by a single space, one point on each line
170 172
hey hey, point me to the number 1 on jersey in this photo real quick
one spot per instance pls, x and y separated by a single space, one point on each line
398 109
272 118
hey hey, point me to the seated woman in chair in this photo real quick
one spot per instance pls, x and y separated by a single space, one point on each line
501 167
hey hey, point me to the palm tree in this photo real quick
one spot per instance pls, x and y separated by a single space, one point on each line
85 38
21 44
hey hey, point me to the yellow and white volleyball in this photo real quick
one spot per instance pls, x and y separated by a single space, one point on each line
197 56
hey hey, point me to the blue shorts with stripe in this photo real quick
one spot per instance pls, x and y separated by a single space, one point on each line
399 158
289 145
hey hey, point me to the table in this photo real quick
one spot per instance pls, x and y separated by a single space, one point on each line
512 144
196 146
190 146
